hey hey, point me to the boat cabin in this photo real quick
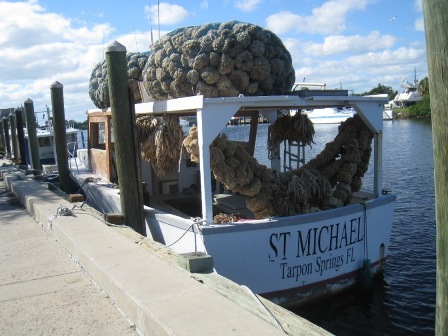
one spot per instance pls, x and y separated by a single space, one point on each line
212 115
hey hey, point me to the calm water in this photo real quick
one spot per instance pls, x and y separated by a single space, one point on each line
403 300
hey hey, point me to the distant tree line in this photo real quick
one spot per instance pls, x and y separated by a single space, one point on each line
382 89
79 125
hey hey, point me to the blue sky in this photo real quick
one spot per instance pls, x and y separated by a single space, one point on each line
356 44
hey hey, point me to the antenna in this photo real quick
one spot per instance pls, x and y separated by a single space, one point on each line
150 21
158 15
135 37
104 49
415 76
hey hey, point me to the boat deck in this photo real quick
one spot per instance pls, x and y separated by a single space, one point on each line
189 205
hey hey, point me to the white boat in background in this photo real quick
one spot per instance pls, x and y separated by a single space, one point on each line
329 115
322 115
388 113
46 145
45 139
290 259
408 96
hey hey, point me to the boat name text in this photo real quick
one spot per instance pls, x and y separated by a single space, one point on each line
331 244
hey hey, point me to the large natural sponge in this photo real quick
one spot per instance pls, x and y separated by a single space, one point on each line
161 141
99 85
218 60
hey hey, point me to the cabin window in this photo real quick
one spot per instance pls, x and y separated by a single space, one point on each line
101 133
168 187
44 142
71 137
97 135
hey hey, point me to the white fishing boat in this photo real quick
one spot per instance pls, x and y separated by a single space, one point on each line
290 253
46 144
45 138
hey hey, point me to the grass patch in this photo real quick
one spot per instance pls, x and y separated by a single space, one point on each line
420 109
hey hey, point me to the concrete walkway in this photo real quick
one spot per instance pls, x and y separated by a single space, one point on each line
44 289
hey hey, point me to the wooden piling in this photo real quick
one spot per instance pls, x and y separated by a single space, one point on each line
32 136
124 127
20 136
60 137
12 123
7 137
436 26
2 136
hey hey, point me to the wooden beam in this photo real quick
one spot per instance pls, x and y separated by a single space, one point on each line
436 27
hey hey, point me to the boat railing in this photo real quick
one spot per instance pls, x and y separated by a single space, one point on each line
302 85
72 147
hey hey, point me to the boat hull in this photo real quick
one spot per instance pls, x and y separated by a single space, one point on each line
289 260
299 259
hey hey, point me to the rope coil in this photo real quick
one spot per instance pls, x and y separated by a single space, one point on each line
327 181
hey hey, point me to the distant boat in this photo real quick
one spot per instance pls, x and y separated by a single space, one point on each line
410 94
388 113
323 115
46 144
45 139
330 115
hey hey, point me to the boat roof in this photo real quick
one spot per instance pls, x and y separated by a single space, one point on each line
370 108
214 113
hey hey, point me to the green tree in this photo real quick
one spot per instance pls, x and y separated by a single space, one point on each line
420 109
80 125
423 87
382 89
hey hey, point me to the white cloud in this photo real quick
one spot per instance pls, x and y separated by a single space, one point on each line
362 72
356 62
137 41
140 41
337 44
166 14
326 19
419 24
204 4
247 5
418 5
25 24
40 48
43 47
403 55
